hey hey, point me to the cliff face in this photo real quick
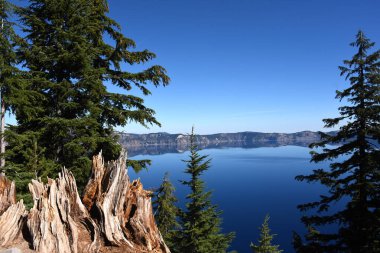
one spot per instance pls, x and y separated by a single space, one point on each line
138 143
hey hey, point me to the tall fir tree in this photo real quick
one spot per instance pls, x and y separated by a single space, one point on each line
354 177
166 212
8 70
72 113
200 222
265 241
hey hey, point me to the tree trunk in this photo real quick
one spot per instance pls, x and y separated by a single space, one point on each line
115 215
2 116
2 130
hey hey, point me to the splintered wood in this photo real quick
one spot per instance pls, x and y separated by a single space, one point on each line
114 215
7 193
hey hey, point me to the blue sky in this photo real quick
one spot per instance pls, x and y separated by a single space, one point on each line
246 65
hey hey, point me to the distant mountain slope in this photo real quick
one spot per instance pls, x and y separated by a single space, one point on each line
156 142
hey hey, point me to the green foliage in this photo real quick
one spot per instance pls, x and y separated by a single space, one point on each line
265 241
8 60
200 222
65 101
166 212
36 165
355 179
138 165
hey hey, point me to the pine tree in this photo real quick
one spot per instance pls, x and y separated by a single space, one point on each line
71 112
265 241
166 212
8 69
200 222
354 177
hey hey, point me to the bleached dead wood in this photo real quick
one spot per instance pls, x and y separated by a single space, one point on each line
12 214
11 223
57 217
123 209
115 215
7 193
104 196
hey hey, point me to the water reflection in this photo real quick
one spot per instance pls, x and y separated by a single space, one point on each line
165 149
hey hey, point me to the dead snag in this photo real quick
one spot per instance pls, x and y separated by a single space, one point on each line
115 215
124 210
11 223
7 193
58 216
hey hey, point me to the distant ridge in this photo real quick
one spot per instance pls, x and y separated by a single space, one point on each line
156 143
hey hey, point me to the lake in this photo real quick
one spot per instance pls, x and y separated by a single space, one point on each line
247 184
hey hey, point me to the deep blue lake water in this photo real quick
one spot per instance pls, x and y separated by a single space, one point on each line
247 184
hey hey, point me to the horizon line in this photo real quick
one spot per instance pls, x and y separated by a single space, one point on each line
163 132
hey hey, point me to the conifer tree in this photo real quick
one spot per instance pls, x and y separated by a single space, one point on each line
265 241
8 70
200 222
354 177
166 212
72 111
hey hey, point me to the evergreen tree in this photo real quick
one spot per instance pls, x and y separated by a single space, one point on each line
200 222
166 212
265 241
354 178
71 113
8 70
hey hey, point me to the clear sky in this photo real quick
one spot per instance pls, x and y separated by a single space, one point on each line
246 65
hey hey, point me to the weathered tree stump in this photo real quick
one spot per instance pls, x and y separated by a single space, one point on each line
11 223
123 209
58 216
115 215
7 193
12 214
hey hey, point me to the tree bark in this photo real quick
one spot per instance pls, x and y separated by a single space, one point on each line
2 116
2 130
115 215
